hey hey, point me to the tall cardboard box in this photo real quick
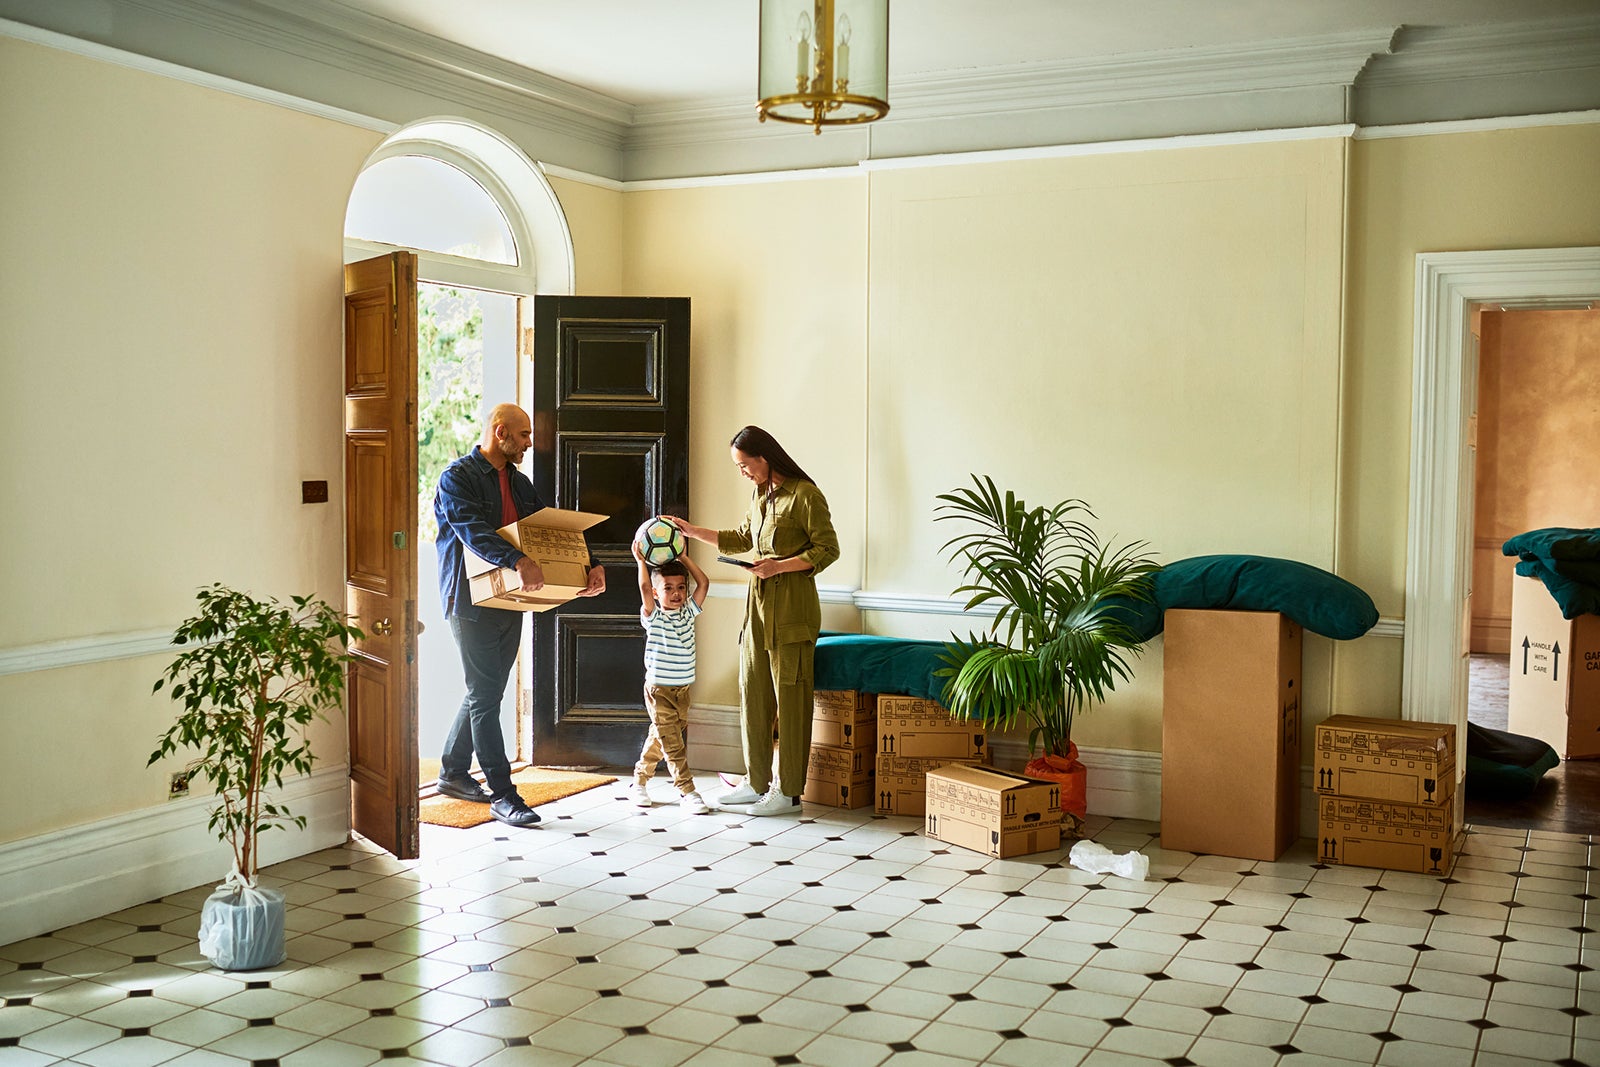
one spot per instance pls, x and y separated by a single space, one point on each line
1230 733
913 728
993 811
844 718
553 537
1555 673
1359 832
1385 759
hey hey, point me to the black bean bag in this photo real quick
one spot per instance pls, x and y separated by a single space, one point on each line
1504 766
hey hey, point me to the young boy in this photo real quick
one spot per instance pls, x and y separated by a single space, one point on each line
668 612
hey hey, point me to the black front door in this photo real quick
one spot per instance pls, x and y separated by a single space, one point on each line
611 436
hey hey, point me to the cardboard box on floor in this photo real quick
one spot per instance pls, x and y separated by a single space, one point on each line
910 727
1555 673
1385 759
1359 832
903 783
992 811
838 794
844 718
1230 733
845 766
553 538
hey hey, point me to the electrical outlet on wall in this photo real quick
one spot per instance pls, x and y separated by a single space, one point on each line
178 785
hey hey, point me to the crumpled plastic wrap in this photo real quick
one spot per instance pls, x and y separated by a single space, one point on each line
1097 859
242 926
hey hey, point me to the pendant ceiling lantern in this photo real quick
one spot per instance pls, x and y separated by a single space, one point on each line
824 62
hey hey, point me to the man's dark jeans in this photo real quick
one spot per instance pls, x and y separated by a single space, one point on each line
488 647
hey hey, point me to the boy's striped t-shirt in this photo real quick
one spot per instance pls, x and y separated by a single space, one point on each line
669 645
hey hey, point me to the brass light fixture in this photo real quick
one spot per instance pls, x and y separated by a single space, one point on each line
824 62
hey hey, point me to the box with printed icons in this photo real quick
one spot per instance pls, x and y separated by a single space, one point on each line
1555 673
838 794
844 718
913 728
996 812
1230 733
1385 759
552 538
846 766
1360 832
903 783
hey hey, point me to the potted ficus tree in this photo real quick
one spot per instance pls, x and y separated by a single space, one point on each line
1059 642
257 674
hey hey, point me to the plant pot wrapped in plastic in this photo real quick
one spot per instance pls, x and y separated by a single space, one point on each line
241 926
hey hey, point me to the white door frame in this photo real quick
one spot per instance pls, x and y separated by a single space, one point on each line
1439 532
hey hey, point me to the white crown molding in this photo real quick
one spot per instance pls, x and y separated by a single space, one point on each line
1451 53
76 651
582 177
1509 122
83 872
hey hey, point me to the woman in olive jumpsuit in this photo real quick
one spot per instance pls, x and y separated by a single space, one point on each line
789 528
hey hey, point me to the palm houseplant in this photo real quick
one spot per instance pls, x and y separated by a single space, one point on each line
258 672
1060 640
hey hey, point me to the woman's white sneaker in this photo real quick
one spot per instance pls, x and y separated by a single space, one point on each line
742 795
775 803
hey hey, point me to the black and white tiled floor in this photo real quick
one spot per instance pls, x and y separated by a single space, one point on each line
616 936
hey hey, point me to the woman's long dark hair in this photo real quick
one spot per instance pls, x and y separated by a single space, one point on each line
754 441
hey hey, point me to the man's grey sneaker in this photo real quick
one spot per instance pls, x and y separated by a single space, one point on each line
742 795
464 788
513 811
775 803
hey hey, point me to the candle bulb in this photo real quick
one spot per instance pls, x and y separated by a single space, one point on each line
841 68
802 55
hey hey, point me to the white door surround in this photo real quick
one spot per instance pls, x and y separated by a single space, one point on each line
1439 530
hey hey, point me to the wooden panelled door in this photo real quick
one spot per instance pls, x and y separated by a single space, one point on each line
380 518
611 435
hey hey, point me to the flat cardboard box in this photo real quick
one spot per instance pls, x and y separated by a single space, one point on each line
997 843
838 795
1385 759
900 794
909 727
844 766
1358 832
1555 673
553 537
844 718
1230 733
996 799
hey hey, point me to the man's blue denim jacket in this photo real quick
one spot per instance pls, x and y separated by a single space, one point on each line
467 506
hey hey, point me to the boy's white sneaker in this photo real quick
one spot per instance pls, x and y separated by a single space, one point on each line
775 803
693 804
640 795
742 795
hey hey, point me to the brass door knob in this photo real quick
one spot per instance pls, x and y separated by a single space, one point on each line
382 628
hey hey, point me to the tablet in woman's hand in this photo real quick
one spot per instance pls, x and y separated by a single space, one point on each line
746 564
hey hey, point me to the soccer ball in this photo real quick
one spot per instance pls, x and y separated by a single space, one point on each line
659 541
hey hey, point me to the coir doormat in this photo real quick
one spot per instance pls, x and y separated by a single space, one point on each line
537 785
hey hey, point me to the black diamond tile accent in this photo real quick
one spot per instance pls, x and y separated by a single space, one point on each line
1157 976
1136 911
902 1046
619 874
1375 889
895 878
660 922
1249 874
1218 1010
1583 896
967 926
725 889
635 1031
1194 937
498 1002
1569 1062
513 859
18 1002
566 929
148 928
857 1007
1012 1035
1356 920
1285 1050
1312 998
1013 954
1504 939
361 944
879 933
783 863
962 998
346 889
833 839
377 976
586 959
10 1042
1525 848
1483 1024
1421 947
1300 896
1580 968
678 848
763 844
355 915
1580 929
1320 867
844 907
138 959
904 833
339 867
1092 887
917 964
1275 928
1336 957
930 900
785 943
518 1042
1020 893
1492 978
139 992
1435 911
144 1031
529 881
817 974
384 1013
1405 987
717 983
1249 966
1179 1061
786 1059
1061 986
263 1021
1386 1036
1103 945
1511 904
1222 903
1059 919
1118 1023
747 1020
609 992
396 1053
581 833
258 985
1576 1013
812 885
689 951
1521 874
1449 881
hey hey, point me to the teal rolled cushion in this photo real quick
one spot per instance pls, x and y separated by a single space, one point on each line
1322 602
869 663
1555 542
1573 595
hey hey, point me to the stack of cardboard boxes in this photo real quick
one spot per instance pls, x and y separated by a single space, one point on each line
916 736
844 735
1386 794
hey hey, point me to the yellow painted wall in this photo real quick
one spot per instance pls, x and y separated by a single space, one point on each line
171 372
776 273
1527 188
594 215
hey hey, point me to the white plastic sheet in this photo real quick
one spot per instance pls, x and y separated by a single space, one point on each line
241 926
1097 859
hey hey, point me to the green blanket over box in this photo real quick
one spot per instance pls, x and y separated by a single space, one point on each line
1567 560
868 663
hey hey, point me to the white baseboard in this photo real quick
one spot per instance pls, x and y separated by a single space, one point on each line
83 872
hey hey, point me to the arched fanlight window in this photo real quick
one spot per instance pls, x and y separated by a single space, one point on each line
461 219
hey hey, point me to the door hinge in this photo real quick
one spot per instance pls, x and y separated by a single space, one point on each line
394 290
399 539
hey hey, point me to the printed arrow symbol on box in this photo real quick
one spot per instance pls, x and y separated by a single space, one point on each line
1555 674
1524 655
